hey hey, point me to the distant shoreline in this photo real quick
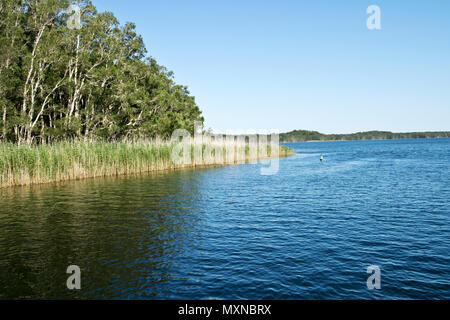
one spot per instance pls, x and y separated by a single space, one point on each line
315 136
364 140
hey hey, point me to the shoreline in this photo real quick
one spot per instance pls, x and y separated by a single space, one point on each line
138 165
363 140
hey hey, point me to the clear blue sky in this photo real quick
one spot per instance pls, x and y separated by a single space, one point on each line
292 64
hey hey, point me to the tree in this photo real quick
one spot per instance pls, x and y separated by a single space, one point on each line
93 83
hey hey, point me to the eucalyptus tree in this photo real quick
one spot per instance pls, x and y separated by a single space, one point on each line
11 43
95 82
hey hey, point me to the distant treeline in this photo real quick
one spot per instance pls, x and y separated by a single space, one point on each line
97 82
303 135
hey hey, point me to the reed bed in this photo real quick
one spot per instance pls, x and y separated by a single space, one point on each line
63 161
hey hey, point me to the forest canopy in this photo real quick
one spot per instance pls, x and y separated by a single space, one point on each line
96 82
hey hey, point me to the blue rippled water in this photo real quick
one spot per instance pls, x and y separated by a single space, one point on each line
308 232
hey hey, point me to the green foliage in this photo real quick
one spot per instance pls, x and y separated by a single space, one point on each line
93 83
303 135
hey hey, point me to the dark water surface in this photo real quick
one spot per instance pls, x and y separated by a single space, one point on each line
308 232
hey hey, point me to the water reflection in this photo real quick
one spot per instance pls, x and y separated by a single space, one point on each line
123 232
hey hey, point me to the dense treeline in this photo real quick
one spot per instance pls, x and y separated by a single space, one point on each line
303 135
95 82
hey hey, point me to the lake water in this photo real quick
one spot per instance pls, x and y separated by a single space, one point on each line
308 232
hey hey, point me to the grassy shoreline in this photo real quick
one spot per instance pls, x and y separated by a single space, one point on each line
68 161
